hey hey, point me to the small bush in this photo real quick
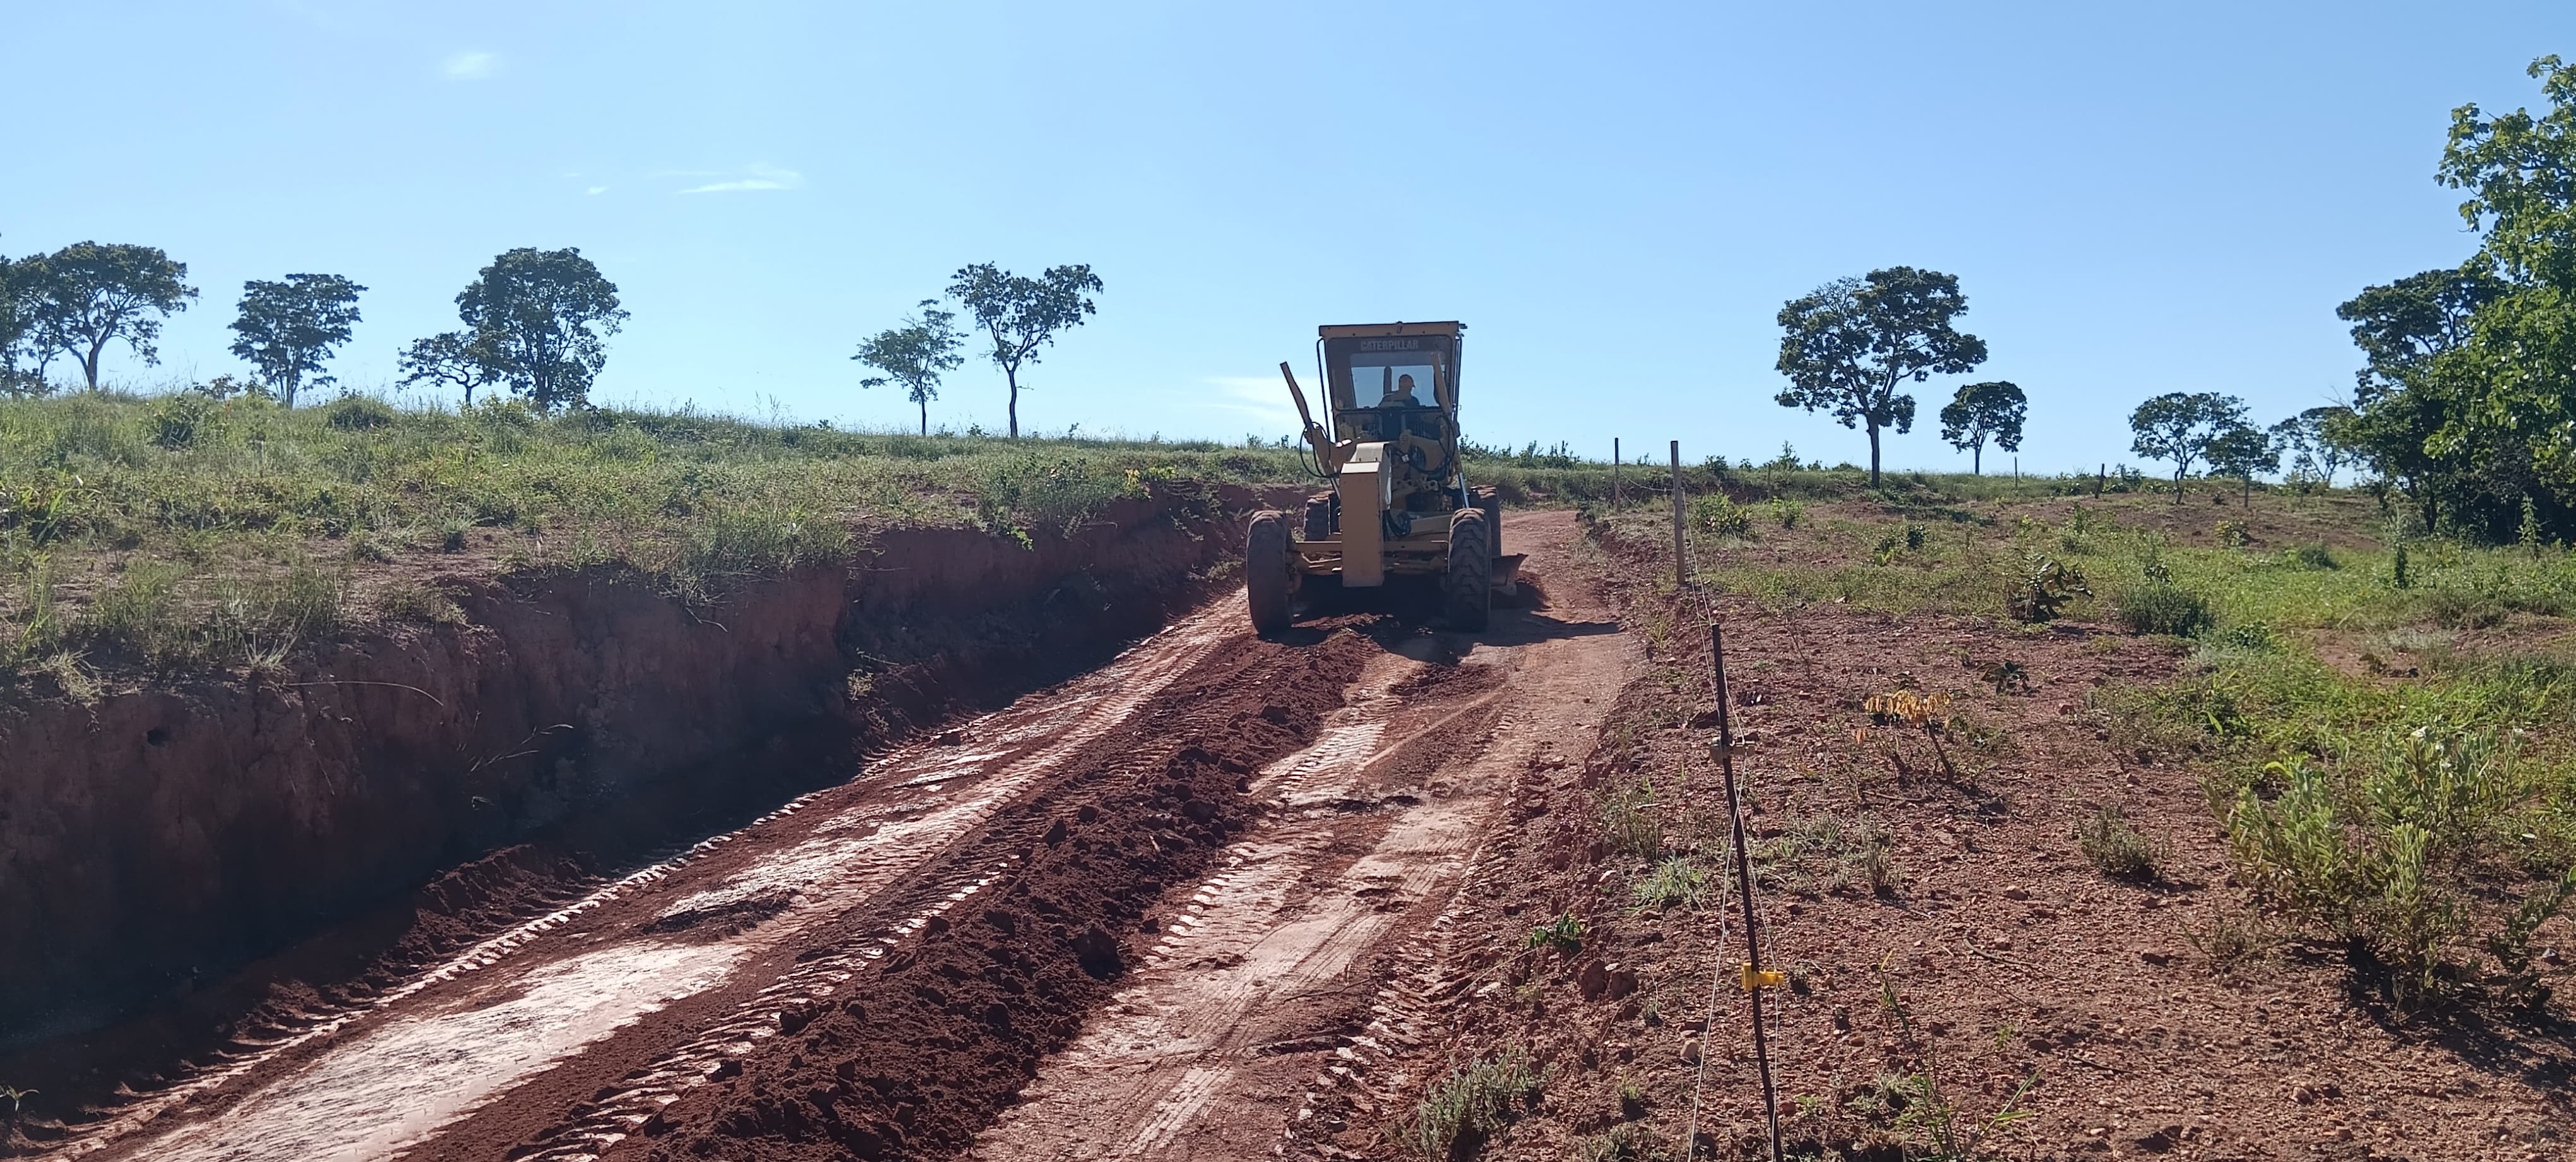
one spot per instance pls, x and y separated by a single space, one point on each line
1626 1142
2037 587
419 603
2117 849
2232 940
1786 512
1459 1112
1675 883
359 413
1631 823
1564 934
2389 856
2232 534
140 612
2250 636
2161 607
2314 557
185 421
1717 514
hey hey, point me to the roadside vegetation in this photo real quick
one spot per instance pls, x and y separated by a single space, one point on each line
2381 718
194 529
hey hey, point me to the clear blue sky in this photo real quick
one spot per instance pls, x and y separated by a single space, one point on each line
2137 198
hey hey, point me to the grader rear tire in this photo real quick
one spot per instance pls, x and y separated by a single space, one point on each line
1467 587
1265 571
1492 505
1319 517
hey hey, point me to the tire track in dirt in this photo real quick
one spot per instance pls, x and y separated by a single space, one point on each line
370 1079
1305 959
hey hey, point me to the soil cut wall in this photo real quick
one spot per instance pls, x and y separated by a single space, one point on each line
154 838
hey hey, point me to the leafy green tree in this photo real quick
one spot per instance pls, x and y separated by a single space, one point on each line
1982 412
89 295
18 286
2403 326
1021 315
453 359
2410 407
1849 345
915 355
289 328
2243 451
2315 440
2179 426
543 317
2496 410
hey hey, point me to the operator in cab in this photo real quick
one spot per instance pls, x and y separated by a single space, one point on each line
1401 395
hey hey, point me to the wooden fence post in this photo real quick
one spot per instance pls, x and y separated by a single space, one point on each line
1681 560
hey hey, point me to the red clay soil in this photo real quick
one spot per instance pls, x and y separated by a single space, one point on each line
922 1052
340 790
2015 962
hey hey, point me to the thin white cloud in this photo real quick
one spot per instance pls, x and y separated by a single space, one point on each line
470 66
597 190
760 178
1255 399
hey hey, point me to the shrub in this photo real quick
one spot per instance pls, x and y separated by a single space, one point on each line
2314 557
2161 607
2037 586
1564 934
1459 1112
1787 512
2117 849
185 420
2385 857
140 611
359 413
1676 882
1631 823
1717 514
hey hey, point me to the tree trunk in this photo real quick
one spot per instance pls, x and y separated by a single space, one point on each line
1977 460
1873 455
2178 483
925 417
469 395
1012 374
89 363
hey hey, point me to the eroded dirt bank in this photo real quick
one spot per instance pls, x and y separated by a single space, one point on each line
1182 894
152 840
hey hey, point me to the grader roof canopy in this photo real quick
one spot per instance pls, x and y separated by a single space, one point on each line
1389 365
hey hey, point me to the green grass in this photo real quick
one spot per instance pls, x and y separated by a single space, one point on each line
185 530
1460 1112
2337 691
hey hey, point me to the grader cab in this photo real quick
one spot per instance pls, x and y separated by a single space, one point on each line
1398 507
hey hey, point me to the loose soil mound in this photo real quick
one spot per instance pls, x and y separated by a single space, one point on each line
922 1051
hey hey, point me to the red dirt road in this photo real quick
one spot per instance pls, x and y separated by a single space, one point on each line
1302 961
1144 914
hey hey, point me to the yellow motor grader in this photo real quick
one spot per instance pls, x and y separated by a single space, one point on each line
1399 505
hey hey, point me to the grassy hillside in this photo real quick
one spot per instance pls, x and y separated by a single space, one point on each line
182 530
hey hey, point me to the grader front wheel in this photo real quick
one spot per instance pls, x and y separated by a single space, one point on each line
1265 571
1467 588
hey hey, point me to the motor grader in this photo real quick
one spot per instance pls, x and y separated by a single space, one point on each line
1399 508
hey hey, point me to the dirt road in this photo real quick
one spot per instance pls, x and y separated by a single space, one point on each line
1143 914
1303 961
